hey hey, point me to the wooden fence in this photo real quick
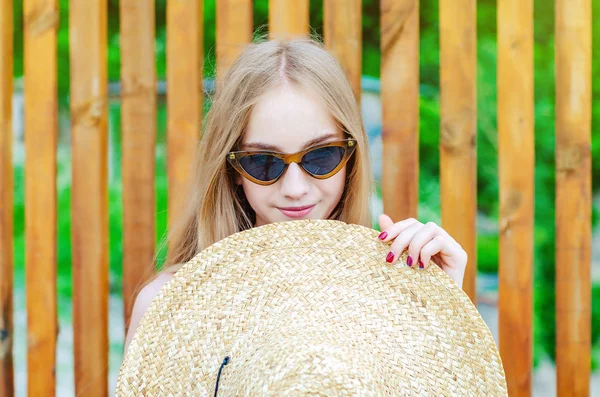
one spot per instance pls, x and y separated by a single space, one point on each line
400 95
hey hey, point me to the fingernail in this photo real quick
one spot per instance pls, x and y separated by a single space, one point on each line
390 257
409 261
383 235
421 265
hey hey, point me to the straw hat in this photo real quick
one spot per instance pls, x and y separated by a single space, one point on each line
310 307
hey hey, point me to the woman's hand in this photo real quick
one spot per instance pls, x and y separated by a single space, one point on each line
424 242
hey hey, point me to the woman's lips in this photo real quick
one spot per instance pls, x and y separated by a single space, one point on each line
296 212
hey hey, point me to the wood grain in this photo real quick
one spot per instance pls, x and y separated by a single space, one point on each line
343 37
573 57
516 172
288 19
6 200
138 129
400 107
89 194
458 130
234 31
40 27
185 95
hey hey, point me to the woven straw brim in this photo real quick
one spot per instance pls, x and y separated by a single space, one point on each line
310 307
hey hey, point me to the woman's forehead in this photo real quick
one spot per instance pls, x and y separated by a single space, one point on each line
287 118
291 145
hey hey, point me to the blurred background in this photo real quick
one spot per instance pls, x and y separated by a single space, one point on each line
429 206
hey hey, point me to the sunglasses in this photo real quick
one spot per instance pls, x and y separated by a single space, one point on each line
265 168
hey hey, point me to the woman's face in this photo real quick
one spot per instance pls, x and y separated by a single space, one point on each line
287 119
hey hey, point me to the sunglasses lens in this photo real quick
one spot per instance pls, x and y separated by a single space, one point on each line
263 166
323 160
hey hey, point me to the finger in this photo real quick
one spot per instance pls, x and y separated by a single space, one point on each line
385 222
440 245
445 233
402 241
434 246
425 234
395 229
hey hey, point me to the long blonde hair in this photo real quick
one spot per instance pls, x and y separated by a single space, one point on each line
216 206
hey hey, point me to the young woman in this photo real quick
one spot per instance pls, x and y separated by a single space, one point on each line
284 140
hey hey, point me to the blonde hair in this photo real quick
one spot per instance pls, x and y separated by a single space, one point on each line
216 206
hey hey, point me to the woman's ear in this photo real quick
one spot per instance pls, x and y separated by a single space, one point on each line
238 180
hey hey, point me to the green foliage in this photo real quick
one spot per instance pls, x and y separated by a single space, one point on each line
487 253
487 135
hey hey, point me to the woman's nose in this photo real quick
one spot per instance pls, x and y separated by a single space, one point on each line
295 182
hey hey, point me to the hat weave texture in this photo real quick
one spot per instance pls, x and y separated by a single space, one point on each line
310 307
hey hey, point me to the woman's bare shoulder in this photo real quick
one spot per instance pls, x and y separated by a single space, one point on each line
143 301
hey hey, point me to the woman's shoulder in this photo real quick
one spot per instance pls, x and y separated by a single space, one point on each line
151 289
143 301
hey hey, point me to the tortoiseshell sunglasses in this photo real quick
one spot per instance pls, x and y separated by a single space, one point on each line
265 168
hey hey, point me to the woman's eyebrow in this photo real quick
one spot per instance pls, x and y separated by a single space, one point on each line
266 146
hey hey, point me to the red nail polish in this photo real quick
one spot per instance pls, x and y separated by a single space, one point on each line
421 265
383 235
390 257
409 261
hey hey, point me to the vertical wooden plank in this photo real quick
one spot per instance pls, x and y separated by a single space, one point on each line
458 133
234 31
41 134
400 107
516 172
288 19
342 28
138 129
6 199
573 56
184 100
89 194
